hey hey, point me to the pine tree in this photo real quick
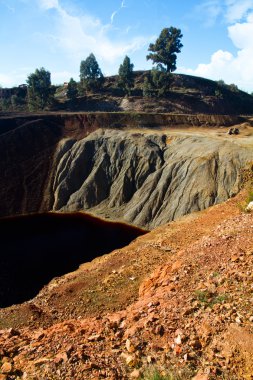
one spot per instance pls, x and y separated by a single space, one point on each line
164 50
39 89
72 90
90 73
126 77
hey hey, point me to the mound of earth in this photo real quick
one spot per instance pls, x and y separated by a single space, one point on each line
187 94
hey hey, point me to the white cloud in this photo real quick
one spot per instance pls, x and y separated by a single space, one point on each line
48 4
117 11
6 80
208 11
78 36
237 9
15 77
113 15
231 68
211 9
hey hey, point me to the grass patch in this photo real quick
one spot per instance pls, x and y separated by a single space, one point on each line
202 296
153 373
249 198
208 300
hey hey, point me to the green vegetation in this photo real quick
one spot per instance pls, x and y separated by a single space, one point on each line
157 83
249 196
99 93
72 90
39 89
208 299
169 374
5 104
91 76
15 100
126 78
164 50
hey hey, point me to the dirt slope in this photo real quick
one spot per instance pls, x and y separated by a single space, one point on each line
193 314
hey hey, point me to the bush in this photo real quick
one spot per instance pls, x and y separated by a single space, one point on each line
157 84
233 87
218 94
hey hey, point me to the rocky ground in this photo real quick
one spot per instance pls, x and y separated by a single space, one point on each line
192 316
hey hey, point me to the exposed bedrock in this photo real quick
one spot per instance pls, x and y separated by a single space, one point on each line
144 179
25 156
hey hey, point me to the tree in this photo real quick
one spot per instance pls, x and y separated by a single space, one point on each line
39 89
15 101
157 83
165 49
148 88
72 90
126 77
90 73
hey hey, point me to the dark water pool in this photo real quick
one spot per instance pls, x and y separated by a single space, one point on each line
36 248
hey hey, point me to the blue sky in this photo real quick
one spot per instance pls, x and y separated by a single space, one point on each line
58 34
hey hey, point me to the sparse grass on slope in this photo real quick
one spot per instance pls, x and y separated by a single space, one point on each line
172 374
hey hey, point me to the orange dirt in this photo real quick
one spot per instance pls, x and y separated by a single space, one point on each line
193 314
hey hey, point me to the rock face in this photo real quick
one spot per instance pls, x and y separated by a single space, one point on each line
144 179
25 155
64 162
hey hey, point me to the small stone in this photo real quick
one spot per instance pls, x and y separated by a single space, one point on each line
131 360
249 208
38 335
5 359
178 340
41 361
6 367
150 359
238 320
13 332
135 374
251 318
61 357
159 330
201 376
129 346
95 338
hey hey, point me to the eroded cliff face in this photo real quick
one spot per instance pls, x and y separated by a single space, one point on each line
145 179
65 162
26 153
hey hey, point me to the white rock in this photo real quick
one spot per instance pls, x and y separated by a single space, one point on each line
178 340
249 208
